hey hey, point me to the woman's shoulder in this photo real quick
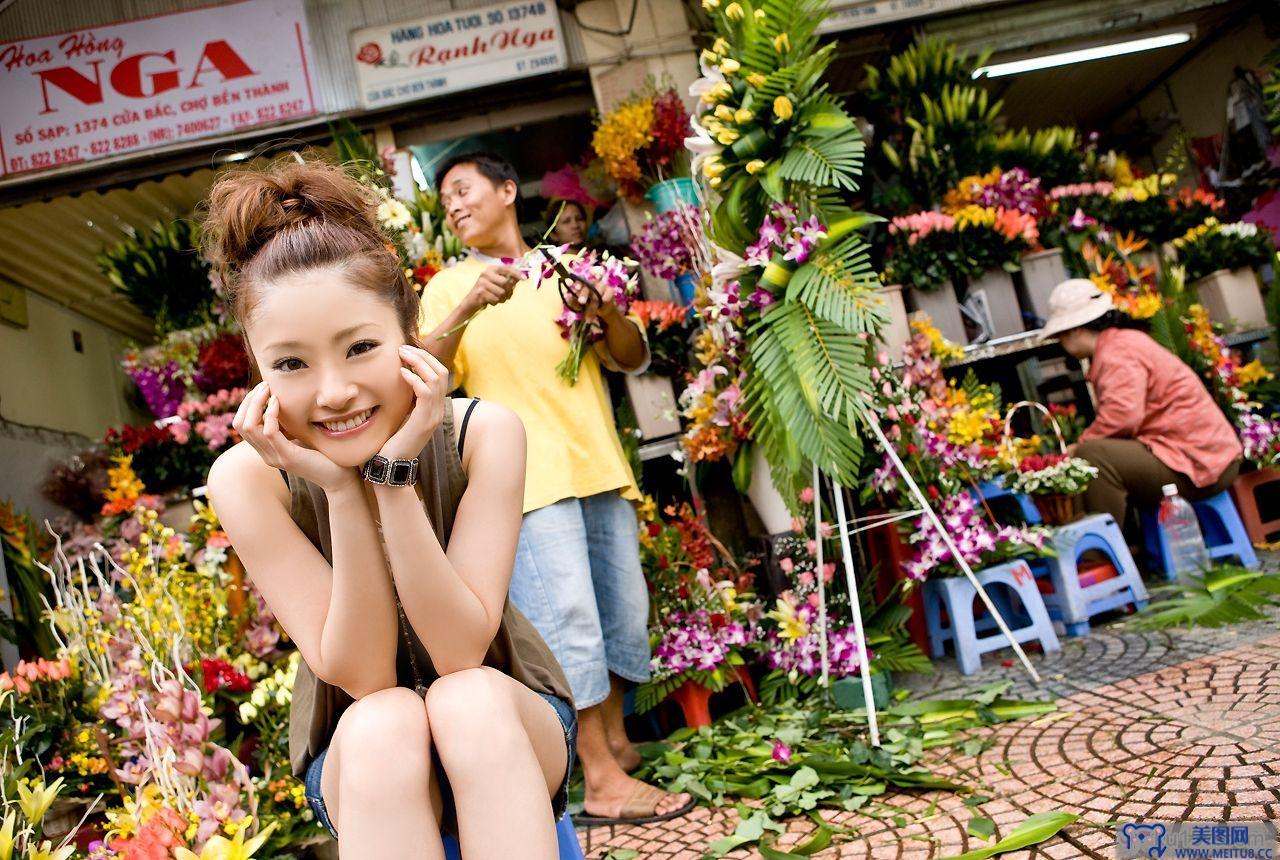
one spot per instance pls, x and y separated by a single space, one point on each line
490 425
240 475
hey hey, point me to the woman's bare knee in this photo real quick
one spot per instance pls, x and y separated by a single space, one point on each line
473 716
382 746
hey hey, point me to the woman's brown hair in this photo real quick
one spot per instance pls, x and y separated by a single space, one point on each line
293 216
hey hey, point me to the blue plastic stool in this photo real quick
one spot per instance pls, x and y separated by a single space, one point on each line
956 595
1224 534
1070 603
569 847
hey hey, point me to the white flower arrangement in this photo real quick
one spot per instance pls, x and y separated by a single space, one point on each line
1044 475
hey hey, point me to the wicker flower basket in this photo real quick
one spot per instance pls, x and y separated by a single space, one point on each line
1058 509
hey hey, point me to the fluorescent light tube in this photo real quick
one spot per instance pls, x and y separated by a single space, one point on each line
1083 55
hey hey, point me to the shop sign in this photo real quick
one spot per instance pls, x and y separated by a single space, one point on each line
856 14
134 85
456 51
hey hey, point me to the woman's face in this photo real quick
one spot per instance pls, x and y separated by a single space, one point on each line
571 228
1078 342
328 351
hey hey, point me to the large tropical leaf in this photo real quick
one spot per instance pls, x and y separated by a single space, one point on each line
830 151
839 284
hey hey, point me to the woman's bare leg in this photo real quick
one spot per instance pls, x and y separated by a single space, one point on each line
378 785
503 752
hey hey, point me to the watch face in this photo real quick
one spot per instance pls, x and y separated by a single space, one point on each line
376 470
401 472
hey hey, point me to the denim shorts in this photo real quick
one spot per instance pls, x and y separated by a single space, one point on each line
568 720
578 579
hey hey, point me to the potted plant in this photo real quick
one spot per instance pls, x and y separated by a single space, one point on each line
1220 260
641 143
1055 483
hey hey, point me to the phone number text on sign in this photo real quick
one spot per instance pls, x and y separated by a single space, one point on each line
142 84
457 51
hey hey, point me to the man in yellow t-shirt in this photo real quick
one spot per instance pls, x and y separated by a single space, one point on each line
577 573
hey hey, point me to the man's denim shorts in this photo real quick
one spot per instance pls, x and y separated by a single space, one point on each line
568 719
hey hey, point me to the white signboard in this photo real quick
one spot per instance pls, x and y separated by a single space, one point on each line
460 50
138 84
855 14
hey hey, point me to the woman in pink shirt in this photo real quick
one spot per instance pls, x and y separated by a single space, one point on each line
1155 424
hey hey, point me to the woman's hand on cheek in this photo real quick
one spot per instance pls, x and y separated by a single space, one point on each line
429 381
258 423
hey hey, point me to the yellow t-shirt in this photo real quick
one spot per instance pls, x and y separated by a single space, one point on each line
509 354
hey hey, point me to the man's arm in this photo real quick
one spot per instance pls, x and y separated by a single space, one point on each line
623 342
494 286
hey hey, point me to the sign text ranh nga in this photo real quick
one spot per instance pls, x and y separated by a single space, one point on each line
437 55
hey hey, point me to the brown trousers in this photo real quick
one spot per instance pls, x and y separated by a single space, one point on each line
1127 470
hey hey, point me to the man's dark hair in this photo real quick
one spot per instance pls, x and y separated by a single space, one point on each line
495 168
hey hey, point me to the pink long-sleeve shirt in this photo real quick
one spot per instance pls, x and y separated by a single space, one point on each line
1147 393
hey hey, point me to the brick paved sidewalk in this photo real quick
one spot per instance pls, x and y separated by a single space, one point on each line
1184 724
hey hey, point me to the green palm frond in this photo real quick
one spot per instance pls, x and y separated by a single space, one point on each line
1224 595
840 285
829 153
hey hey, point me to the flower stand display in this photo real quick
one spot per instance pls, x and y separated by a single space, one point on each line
942 308
1041 272
1245 494
1224 535
653 398
995 295
898 331
1232 298
955 596
694 699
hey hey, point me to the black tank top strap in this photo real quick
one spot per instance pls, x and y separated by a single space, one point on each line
466 417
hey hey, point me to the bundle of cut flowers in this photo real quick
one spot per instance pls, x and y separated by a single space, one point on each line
1211 246
1116 269
669 242
1043 474
641 141
613 277
981 544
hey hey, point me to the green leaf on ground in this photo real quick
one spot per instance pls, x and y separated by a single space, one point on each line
1036 829
983 828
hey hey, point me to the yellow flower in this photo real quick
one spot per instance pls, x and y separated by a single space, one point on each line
719 92
46 851
714 181
742 116
782 108
712 168
720 46
648 510
724 112
754 166
6 835
757 80
221 848
734 12
710 5
782 43
35 801
727 137
790 625
760 16
729 66
1253 372
710 57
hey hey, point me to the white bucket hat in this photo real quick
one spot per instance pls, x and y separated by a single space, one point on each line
1074 303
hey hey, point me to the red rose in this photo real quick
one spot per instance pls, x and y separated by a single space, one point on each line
911 449
663 564
933 493
683 592
369 53
717 620
654 530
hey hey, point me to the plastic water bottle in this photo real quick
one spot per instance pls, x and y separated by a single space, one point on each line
1182 535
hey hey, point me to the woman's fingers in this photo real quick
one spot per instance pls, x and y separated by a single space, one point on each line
271 417
238 422
423 365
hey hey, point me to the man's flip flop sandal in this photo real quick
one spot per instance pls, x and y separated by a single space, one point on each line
639 809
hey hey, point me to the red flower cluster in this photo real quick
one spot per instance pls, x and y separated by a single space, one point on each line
221 675
670 128
1037 462
133 437
223 364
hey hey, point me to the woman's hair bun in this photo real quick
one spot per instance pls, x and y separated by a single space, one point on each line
247 208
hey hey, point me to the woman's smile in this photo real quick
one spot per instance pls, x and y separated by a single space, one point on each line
347 425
